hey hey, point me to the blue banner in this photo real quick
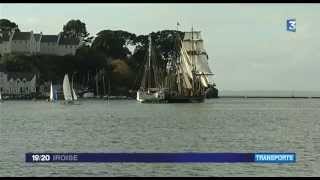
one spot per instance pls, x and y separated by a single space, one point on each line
160 157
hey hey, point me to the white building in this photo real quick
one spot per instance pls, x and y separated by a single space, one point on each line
23 43
30 43
13 83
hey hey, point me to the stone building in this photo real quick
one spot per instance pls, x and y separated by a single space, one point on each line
29 43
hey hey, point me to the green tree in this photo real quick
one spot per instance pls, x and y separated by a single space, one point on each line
77 29
6 25
114 44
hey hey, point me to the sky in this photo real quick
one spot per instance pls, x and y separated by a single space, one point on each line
248 45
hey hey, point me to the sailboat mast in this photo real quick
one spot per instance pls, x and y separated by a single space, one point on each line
192 61
149 62
97 84
104 83
109 88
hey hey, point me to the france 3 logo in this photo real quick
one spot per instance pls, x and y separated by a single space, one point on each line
291 25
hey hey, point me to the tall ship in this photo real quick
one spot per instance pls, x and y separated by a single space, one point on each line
188 75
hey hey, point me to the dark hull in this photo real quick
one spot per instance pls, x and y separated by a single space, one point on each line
212 92
185 99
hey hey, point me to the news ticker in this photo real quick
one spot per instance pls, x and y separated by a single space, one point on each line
161 157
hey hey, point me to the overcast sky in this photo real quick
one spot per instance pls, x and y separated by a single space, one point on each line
248 45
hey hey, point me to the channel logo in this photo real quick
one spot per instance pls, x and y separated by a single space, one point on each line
275 157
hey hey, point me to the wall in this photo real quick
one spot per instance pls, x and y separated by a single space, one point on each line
48 48
66 49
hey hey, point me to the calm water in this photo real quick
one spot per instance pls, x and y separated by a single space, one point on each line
218 125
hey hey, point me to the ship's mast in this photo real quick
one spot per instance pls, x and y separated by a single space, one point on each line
192 61
149 62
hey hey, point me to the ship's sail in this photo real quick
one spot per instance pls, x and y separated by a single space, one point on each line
67 89
74 95
0 96
193 45
201 63
51 93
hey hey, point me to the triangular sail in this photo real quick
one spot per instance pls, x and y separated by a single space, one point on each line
51 93
74 95
67 89
0 96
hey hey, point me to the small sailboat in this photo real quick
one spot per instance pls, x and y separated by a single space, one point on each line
69 94
74 95
1 100
53 94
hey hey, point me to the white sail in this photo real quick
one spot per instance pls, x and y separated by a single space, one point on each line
74 95
204 80
51 93
197 45
201 63
195 35
193 42
187 82
67 89
0 96
186 63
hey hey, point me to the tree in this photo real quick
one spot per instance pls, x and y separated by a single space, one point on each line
6 25
77 29
114 43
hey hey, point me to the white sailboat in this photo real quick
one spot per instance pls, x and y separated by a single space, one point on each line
68 92
0 97
53 95
74 95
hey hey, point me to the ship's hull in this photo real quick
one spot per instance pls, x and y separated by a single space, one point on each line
147 97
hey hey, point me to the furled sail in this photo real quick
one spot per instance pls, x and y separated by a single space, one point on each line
67 89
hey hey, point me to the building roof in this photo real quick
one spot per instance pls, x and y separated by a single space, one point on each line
20 75
68 41
37 37
49 38
21 36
